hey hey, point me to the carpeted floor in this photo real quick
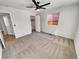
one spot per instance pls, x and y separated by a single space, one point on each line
40 46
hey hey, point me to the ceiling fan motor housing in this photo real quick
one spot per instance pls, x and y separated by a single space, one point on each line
39 6
38 2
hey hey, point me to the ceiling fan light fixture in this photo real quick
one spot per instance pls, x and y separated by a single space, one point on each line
38 10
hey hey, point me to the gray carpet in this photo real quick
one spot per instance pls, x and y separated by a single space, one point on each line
40 46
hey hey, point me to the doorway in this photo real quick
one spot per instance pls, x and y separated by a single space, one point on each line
33 24
6 27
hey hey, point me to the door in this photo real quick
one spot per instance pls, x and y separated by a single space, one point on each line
21 24
2 25
8 25
33 23
10 32
37 21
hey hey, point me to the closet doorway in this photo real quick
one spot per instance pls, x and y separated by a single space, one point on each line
33 24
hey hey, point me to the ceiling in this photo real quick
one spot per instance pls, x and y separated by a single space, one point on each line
21 4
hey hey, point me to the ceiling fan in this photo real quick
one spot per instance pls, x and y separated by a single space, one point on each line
37 6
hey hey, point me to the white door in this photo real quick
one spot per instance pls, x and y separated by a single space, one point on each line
21 24
37 21
8 25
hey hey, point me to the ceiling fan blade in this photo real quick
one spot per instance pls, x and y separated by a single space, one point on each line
30 7
43 8
44 4
35 3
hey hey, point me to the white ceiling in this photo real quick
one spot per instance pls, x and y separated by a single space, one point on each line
21 4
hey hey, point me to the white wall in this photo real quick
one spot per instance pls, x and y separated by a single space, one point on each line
67 22
20 18
76 41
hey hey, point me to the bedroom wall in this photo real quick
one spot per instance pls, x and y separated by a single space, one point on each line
76 41
67 21
19 18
